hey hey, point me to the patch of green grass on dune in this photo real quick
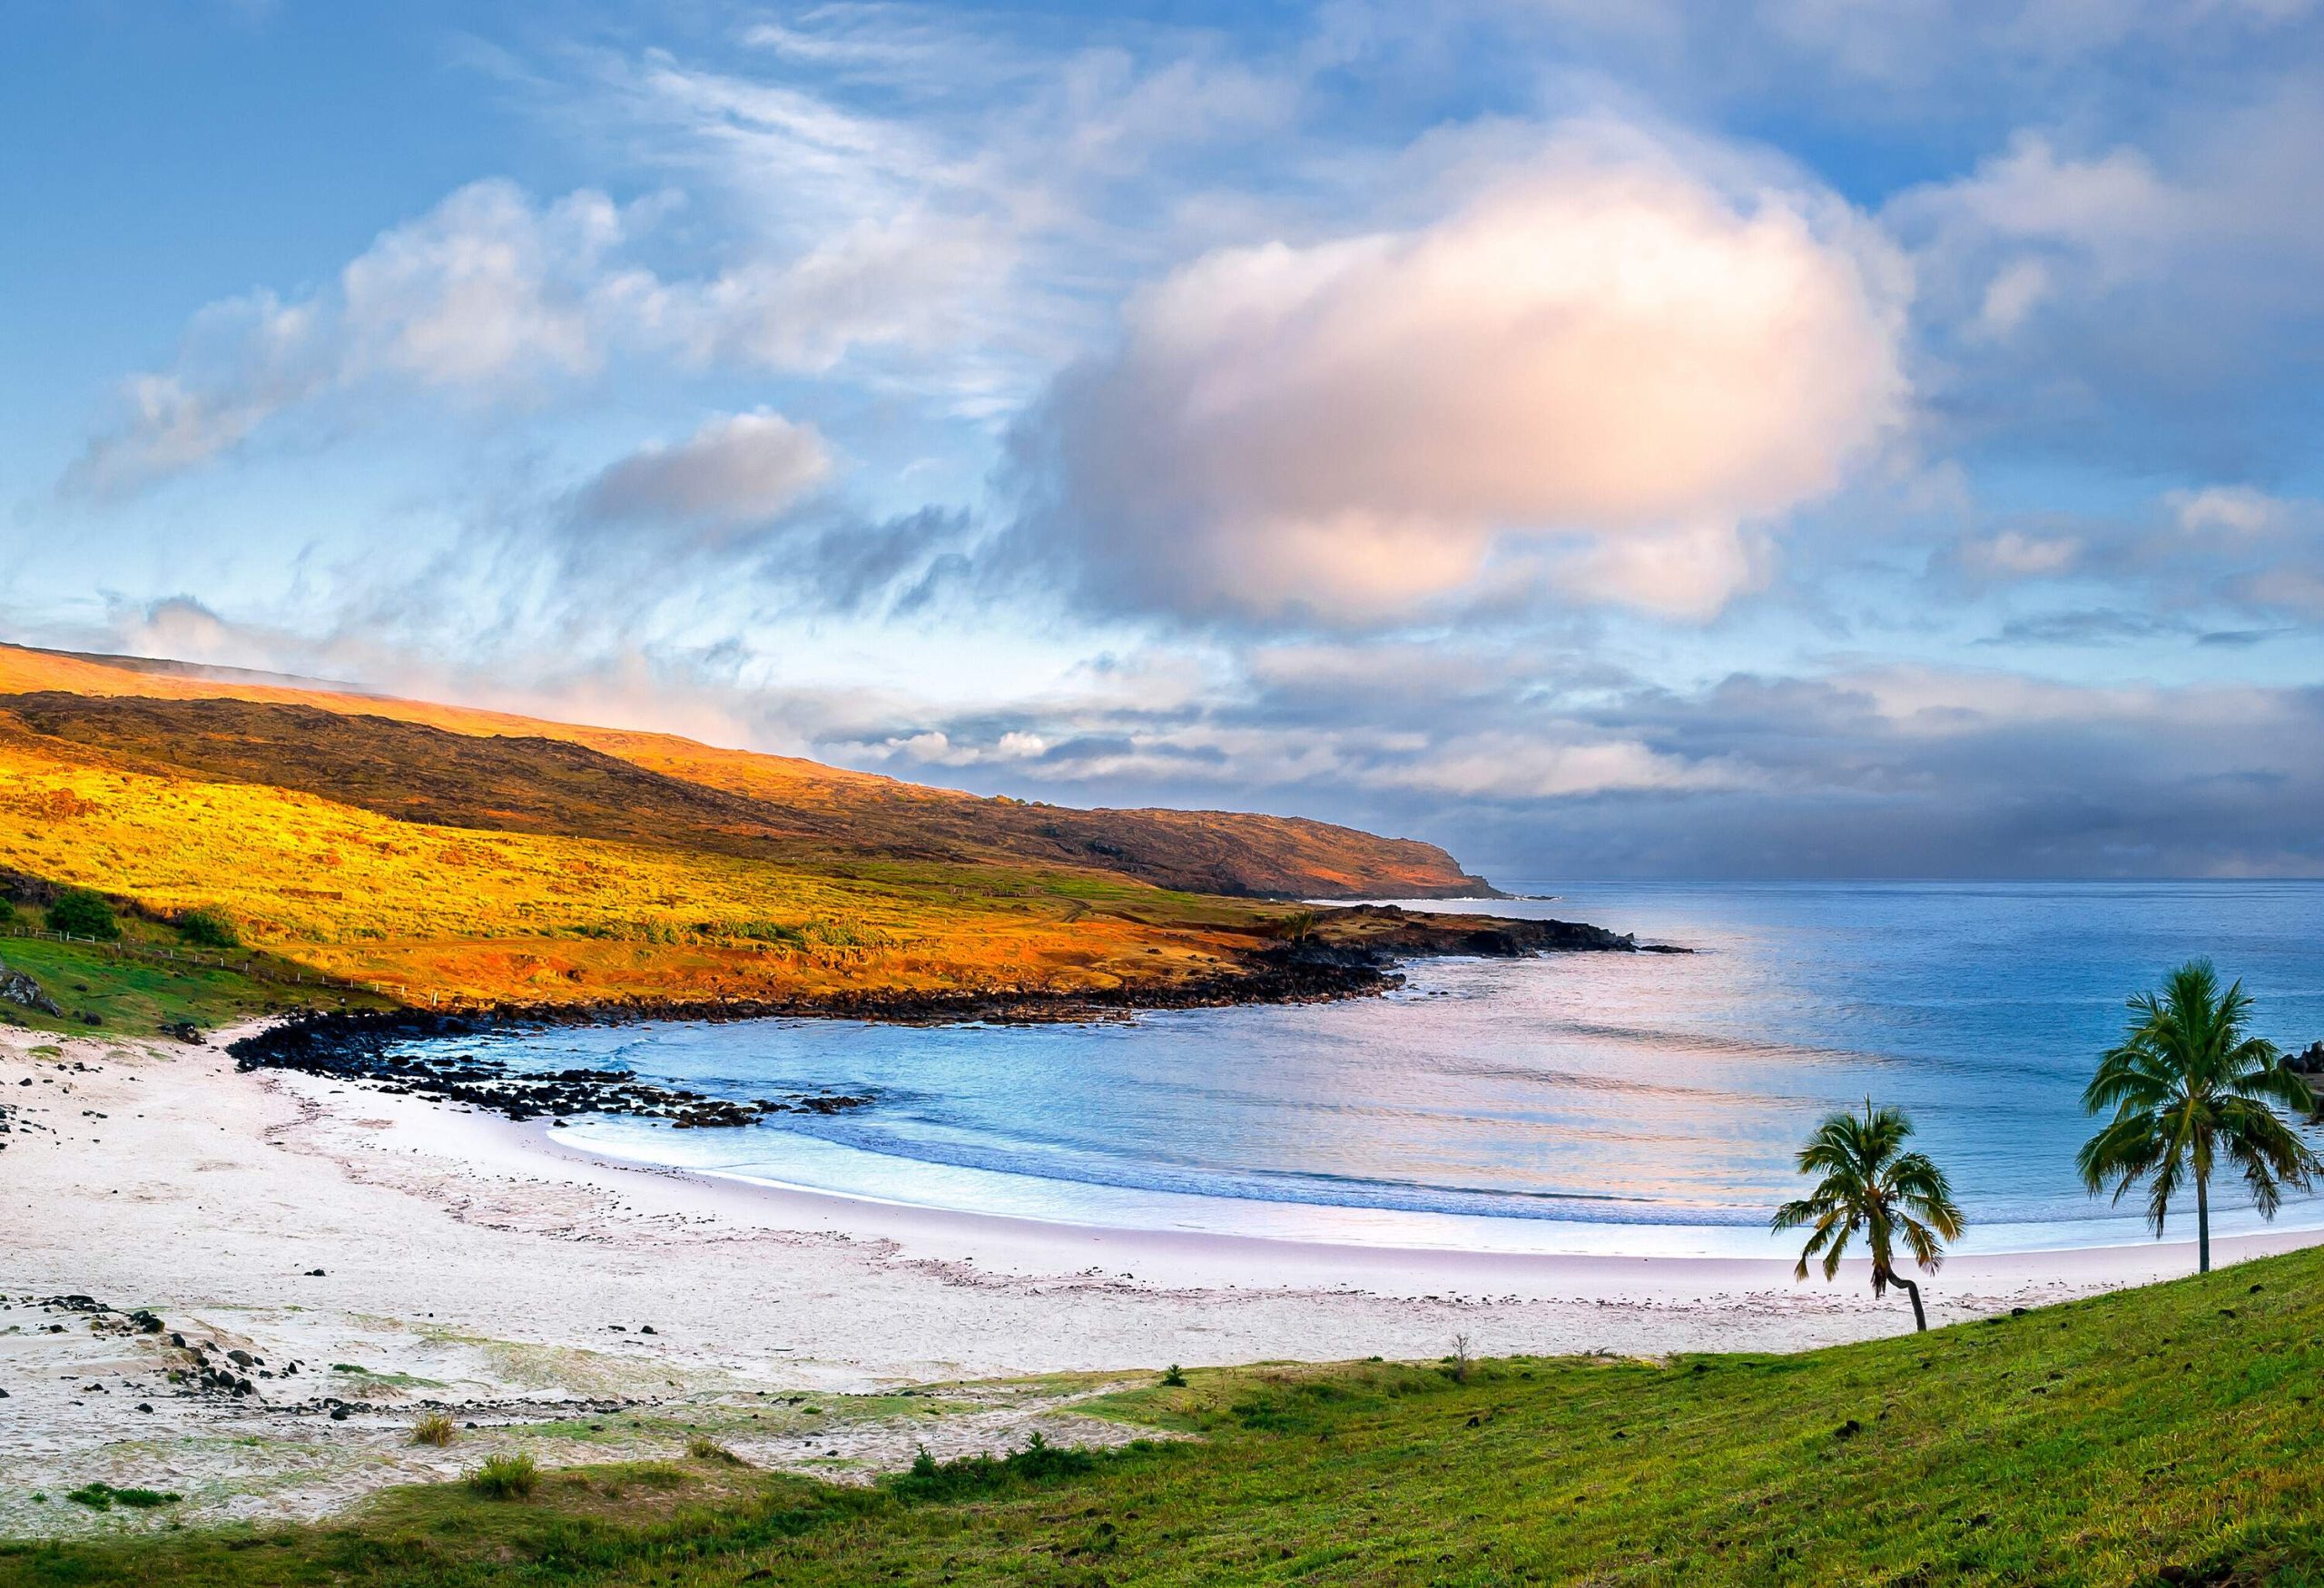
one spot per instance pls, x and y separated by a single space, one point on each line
130 995
2174 1427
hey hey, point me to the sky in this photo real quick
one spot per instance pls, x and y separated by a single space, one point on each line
1752 439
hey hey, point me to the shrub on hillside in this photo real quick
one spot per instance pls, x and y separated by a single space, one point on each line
80 912
209 927
971 1477
504 1477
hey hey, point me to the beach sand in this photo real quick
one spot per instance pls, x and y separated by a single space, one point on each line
472 1262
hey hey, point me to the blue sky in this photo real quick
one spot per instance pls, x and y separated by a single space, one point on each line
1799 438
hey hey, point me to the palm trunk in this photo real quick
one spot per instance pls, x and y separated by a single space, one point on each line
2203 1222
1913 1292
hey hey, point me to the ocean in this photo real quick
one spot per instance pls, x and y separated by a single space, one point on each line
1613 1103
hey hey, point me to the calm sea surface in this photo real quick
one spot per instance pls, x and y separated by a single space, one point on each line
1585 1102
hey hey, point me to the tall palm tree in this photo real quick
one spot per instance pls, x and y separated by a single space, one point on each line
2188 1084
1871 1183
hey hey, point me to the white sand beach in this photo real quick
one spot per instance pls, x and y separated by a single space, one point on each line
591 1309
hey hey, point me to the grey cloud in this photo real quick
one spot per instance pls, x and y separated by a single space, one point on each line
2220 559
739 468
902 565
1885 773
2097 627
2133 296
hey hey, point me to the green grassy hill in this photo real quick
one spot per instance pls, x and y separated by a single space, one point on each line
2169 1435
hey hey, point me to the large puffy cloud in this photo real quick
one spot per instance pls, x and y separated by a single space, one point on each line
1615 364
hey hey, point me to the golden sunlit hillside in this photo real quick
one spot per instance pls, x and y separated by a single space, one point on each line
452 853
1218 852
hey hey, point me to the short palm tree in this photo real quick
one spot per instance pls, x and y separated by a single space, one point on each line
2189 1084
1871 1183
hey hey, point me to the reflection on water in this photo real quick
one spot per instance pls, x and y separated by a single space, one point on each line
1583 1103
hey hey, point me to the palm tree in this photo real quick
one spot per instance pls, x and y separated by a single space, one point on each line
2186 1085
1870 1183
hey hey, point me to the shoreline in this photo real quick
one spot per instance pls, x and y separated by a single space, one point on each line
1204 1259
407 1254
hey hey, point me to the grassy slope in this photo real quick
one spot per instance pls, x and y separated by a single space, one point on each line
540 917
485 857
130 995
2098 1443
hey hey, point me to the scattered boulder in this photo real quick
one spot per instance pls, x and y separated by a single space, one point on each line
19 989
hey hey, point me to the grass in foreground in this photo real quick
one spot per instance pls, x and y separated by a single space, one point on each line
2164 1434
130 996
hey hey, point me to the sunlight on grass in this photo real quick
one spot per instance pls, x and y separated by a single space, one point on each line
2100 1443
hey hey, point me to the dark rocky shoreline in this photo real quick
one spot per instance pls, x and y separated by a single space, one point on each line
356 1050
357 1046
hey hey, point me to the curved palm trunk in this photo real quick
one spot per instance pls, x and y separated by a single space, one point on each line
2203 1222
1913 1292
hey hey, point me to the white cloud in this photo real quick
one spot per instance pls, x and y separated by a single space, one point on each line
1610 349
1935 702
741 468
244 359
2015 223
484 287
2235 510
2013 554
485 292
493 294
2013 293
1515 766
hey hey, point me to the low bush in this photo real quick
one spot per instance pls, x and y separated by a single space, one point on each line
434 1428
1039 1461
83 913
702 1447
504 1477
105 1497
209 927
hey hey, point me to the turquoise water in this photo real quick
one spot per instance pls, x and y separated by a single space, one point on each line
1584 1102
